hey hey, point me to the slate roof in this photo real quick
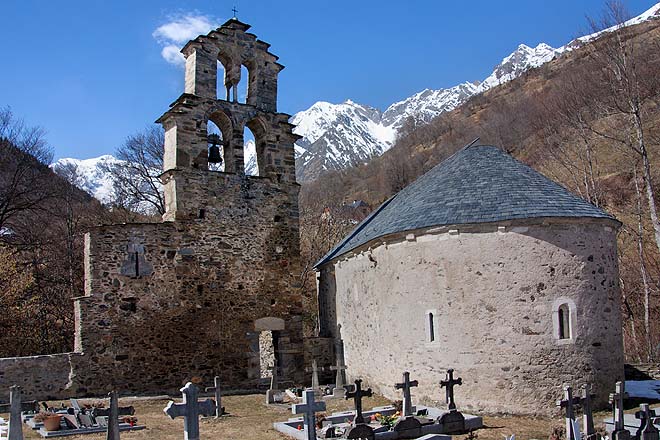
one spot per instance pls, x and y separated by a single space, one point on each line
478 184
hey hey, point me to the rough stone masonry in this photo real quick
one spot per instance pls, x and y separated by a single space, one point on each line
190 296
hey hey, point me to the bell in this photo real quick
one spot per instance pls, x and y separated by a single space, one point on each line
214 154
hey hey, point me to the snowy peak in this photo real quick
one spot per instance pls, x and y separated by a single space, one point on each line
89 175
520 60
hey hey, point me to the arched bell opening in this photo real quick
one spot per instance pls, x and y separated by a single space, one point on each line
219 152
255 146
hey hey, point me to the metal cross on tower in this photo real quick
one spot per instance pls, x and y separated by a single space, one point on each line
357 394
234 10
449 382
308 409
407 399
190 410
568 403
616 400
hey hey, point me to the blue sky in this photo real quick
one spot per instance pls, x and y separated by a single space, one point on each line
92 72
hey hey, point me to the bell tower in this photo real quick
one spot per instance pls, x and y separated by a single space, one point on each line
186 139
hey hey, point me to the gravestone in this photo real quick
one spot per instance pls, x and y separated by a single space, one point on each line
452 422
647 430
408 427
357 394
616 400
308 409
589 432
339 390
113 417
359 430
219 409
315 375
190 409
15 422
407 399
274 391
572 429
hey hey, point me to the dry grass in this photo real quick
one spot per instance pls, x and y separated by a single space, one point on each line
250 418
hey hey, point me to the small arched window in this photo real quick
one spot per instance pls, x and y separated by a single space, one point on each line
564 320
430 324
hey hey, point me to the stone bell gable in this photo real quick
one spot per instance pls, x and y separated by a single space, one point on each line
213 289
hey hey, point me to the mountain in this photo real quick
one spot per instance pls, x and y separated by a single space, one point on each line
89 175
338 136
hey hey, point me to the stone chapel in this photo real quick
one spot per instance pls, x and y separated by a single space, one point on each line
215 284
485 266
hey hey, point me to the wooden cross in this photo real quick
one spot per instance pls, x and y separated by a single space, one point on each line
190 410
15 422
647 431
616 400
357 394
405 386
234 10
568 402
113 417
449 382
308 409
315 374
219 410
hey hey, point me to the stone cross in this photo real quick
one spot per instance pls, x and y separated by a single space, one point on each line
647 431
568 402
616 400
274 385
308 409
113 418
315 375
216 390
357 394
405 386
190 410
587 414
449 382
339 377
15 422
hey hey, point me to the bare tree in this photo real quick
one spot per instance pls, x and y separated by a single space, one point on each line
136 182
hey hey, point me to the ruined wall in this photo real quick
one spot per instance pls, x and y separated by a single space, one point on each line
40 377
494 295
210 279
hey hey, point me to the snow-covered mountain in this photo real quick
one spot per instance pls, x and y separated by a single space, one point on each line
88 174
337 136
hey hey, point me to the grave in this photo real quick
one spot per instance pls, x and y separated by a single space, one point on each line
418 421
76 420
623 426
219 409
190 409
274 394
572 427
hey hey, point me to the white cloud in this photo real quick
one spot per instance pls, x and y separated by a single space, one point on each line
181 28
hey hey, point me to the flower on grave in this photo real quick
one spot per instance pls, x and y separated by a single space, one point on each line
300 427
387 421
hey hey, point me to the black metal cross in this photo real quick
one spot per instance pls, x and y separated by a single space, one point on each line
405 386
449 382
234 10
568 403
357 394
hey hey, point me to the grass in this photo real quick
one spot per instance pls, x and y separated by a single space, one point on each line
249 417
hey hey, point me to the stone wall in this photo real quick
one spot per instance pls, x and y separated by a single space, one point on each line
200 287
41 377
494 291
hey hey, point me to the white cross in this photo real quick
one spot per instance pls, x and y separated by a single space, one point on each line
308 409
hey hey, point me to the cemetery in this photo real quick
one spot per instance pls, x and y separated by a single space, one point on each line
184 322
